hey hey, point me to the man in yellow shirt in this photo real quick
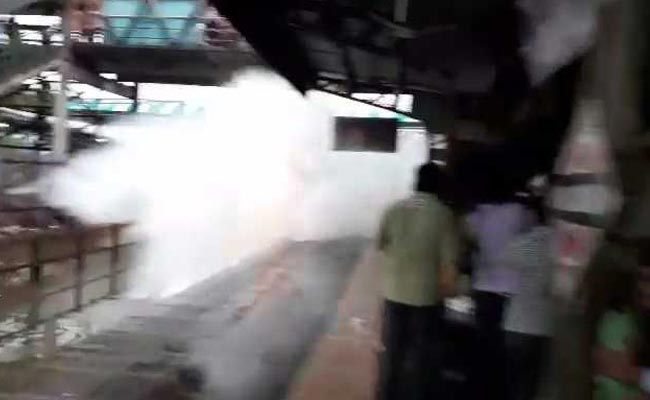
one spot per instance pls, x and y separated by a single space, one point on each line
418 241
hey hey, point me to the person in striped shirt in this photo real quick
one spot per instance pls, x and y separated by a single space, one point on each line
528 315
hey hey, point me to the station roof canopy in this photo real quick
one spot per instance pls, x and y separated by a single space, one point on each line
464 46
510 64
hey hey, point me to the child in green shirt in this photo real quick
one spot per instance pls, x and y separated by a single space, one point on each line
618 339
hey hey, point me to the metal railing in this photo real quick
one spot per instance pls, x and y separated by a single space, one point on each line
32 251
169 31
133 30
117 106
37 35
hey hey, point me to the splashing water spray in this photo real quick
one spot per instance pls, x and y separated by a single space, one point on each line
256 169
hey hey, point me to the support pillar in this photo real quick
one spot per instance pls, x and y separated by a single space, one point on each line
61 134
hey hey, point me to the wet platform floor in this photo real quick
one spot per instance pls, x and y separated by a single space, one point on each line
252 332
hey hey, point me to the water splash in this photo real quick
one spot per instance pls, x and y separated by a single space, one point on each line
254 170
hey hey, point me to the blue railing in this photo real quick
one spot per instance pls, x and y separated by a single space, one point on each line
165 22
169 31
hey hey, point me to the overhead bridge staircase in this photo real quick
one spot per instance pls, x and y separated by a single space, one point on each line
21 62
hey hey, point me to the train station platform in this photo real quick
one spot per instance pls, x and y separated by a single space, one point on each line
343 364
258 331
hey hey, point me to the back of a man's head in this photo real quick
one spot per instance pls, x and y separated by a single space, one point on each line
430 179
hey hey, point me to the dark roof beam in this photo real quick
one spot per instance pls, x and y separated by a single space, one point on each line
332 89
350 69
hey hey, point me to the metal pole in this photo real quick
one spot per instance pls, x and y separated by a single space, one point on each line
401 10
34 314
400 14
61 133
35 274
115 259
80 271
136 102
49 339
60 140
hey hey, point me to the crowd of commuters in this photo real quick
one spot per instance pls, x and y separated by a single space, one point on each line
421 241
